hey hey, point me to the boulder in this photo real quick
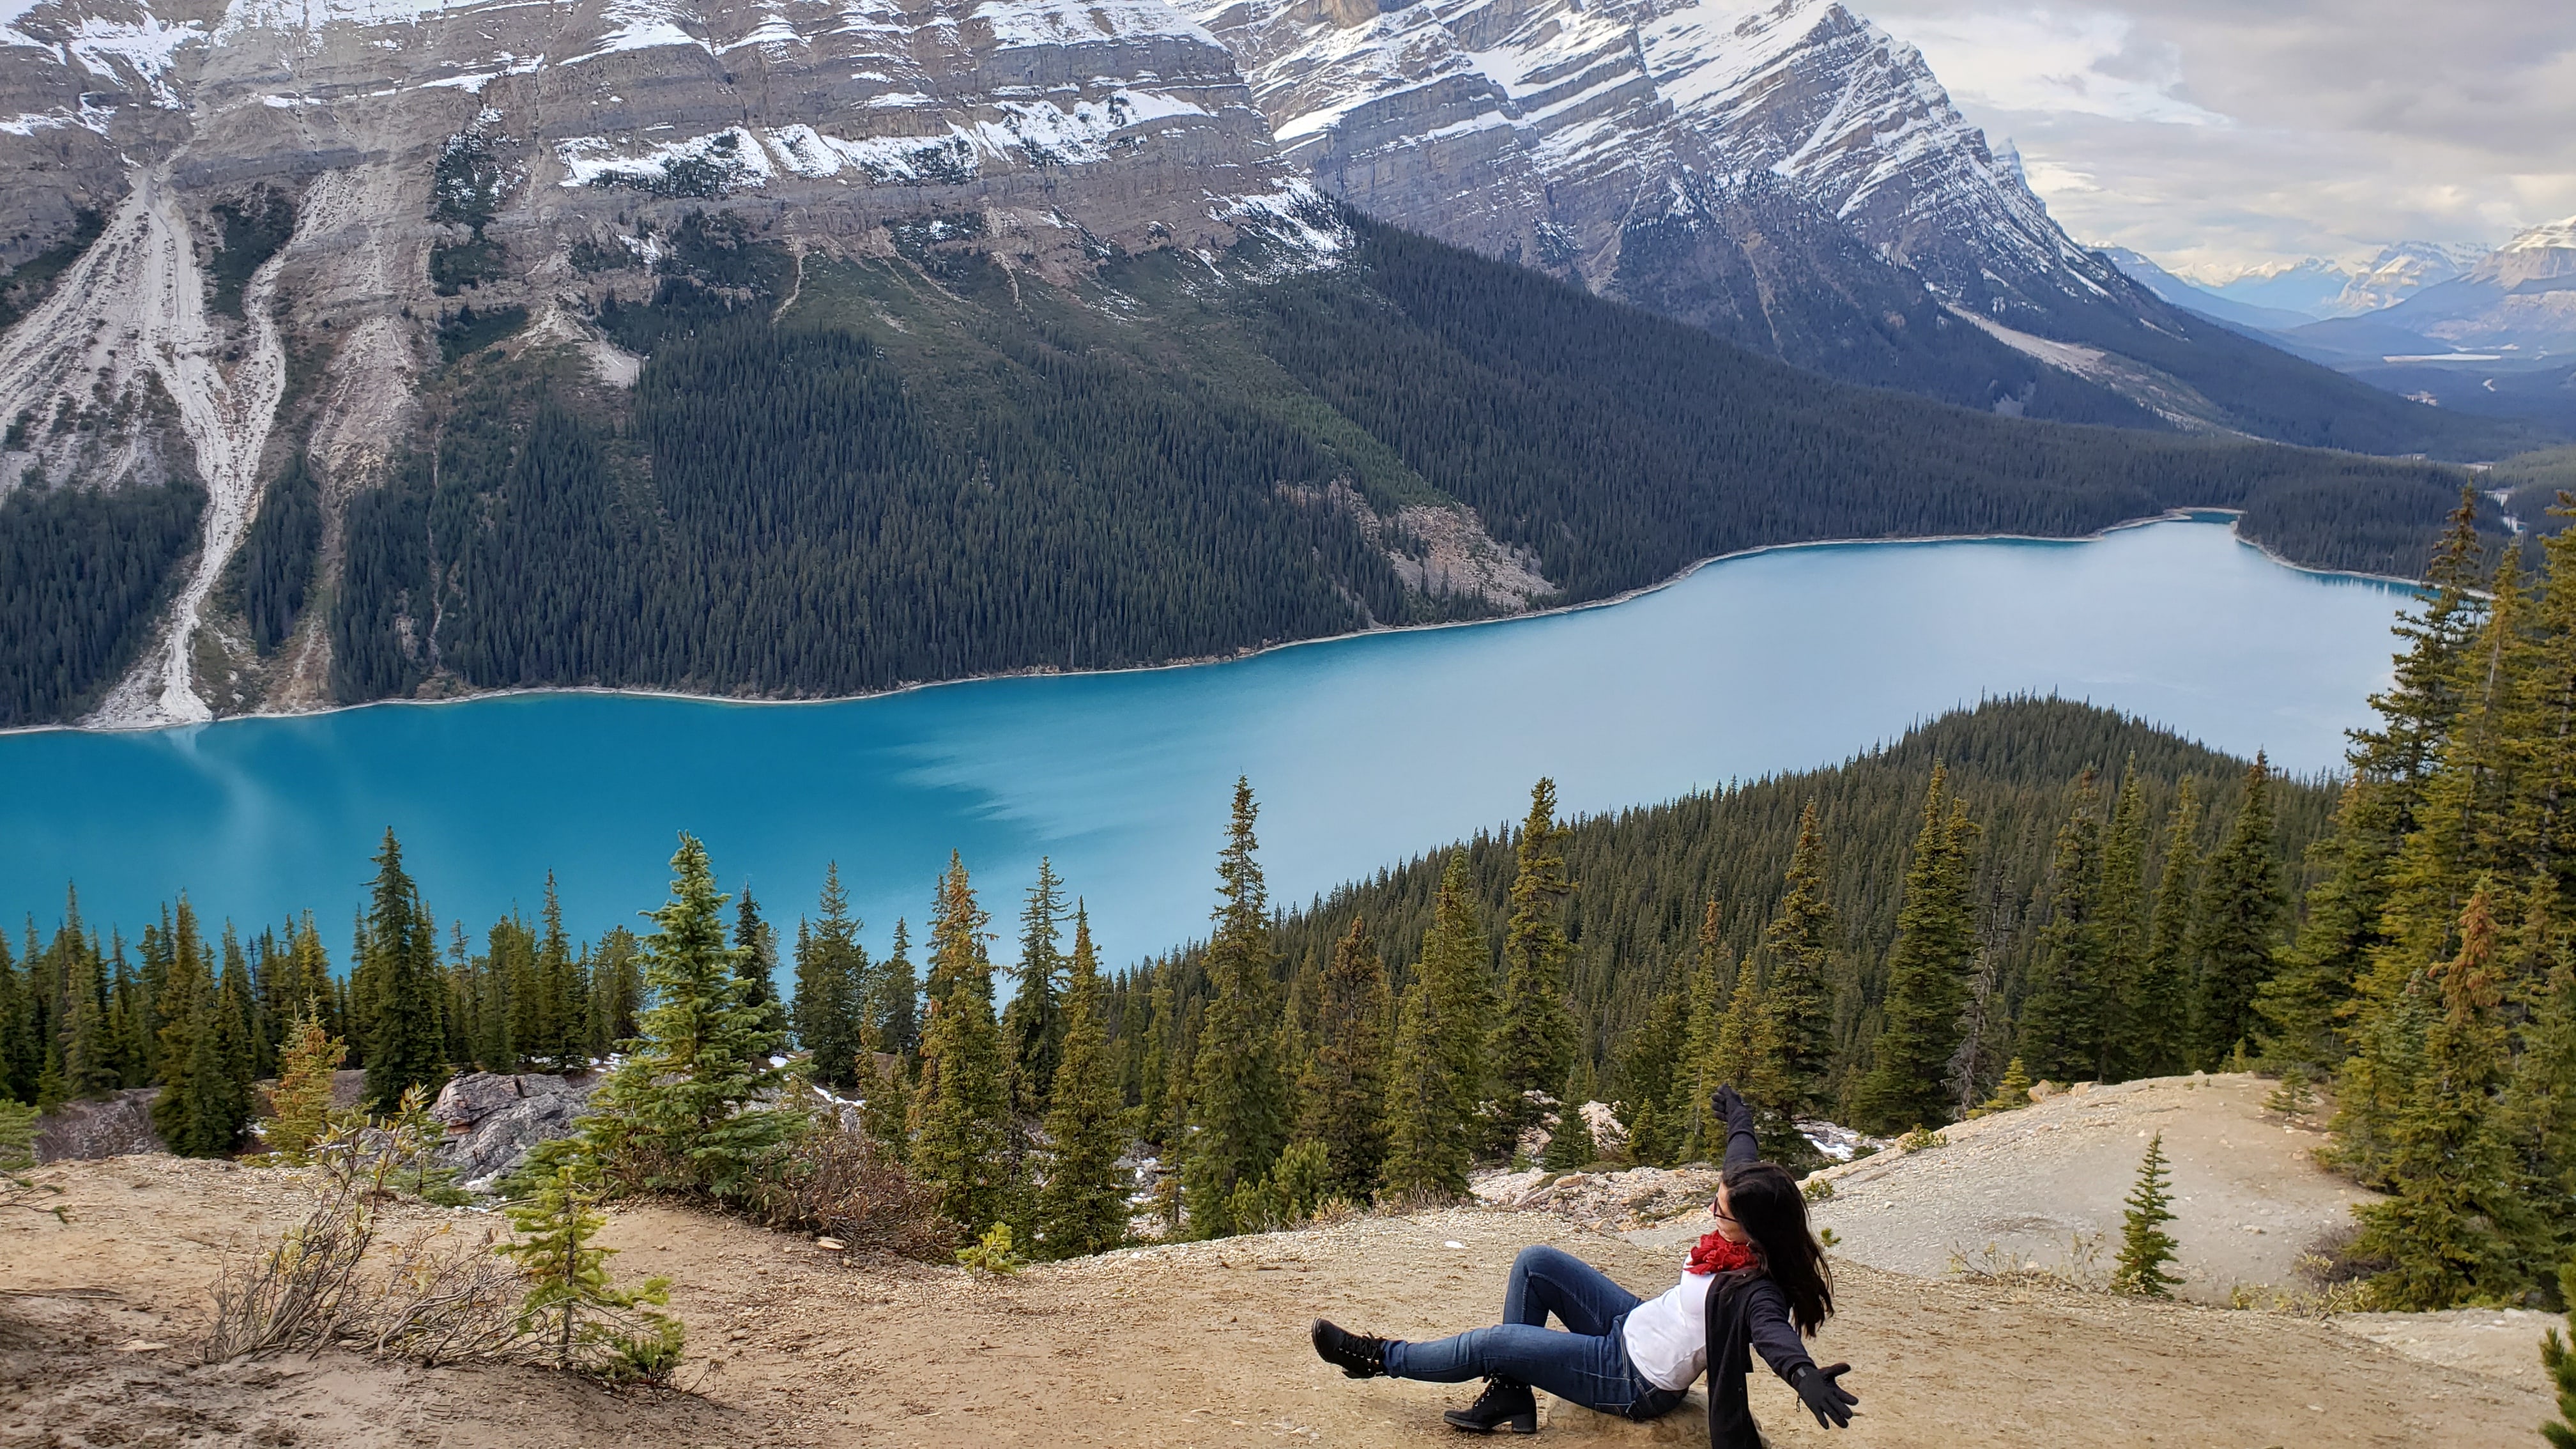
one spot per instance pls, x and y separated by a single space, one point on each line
493 1119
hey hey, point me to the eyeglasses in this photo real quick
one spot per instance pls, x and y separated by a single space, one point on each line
1718 1210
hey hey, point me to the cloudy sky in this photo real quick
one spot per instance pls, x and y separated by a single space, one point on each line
2218 134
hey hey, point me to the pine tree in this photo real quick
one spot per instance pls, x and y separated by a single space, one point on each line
1154 1069
1083 1206
1750 1054
898 1007
2121 908
2235 923
2304 1005
829 1011
2446 1230
88 1053
961 1106
1697 1135
404 1015
1534 1046
1800 944
755 960
572 1307
1033 1023
1458 969
1926 972
616 972
2062 1033
561 1036
203 1106
1570 1144
2160 1007
2537 1117
2145 1247
685 1112
301 1103
1653 1060
1238 1093
1342 1095
1426 1155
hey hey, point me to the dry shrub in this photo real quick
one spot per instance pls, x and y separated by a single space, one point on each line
295 1295
1996 1266
443 1300
837 1183
439 1300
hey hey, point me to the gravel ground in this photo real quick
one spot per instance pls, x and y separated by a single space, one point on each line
2249 1198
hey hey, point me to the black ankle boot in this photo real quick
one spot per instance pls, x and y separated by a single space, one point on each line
1356 1354
1504 1405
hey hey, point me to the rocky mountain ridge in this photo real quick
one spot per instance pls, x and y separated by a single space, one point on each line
279 186
1782 172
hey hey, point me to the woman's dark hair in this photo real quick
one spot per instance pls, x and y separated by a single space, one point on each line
1764 1201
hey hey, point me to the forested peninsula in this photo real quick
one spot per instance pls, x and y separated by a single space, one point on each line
836 477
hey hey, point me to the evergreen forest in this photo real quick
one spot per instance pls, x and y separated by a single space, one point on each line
922 468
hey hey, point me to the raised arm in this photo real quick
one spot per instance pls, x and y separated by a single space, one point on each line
1740 1145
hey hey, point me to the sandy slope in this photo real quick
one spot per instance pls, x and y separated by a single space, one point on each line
2249 1198
1186 1345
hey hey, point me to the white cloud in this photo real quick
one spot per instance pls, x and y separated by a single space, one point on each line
2222 134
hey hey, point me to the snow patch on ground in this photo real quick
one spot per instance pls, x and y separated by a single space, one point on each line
143 50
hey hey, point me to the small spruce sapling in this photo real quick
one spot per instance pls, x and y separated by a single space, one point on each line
301 1104
2145 1247
2560 1360
17 1154
2013 1091
582 1317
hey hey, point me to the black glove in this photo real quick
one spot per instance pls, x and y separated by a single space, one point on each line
1829 1401
1727 1102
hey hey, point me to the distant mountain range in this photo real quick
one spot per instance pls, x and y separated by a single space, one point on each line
2483 332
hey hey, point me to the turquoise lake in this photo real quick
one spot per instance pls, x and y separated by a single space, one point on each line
1362 751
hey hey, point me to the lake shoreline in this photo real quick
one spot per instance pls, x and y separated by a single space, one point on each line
2178 515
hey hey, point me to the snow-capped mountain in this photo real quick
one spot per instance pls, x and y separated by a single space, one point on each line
212 187
2400 271
1783 172
2519 298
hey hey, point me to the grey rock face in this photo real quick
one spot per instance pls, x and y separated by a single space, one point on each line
402 158
493 1120
1787 175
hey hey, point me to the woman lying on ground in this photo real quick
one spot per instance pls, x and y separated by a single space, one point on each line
1759 1281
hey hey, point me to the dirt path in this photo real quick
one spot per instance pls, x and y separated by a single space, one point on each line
1198 1344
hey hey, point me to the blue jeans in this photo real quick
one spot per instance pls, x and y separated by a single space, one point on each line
1587 1365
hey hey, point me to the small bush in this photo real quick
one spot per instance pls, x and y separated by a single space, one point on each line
1921 1139
838 1184
992 1252
1817 1189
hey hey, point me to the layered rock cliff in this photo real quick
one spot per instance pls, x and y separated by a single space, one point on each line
301 186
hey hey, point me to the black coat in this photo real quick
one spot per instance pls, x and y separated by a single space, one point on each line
1746 1311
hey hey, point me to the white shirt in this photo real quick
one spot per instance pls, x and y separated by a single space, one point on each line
1667 1337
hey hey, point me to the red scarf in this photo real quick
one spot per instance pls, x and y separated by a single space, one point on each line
1714 1254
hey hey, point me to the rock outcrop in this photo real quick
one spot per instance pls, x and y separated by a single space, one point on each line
193 192
494 1120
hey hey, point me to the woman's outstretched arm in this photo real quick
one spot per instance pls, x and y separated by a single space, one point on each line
1741 1147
